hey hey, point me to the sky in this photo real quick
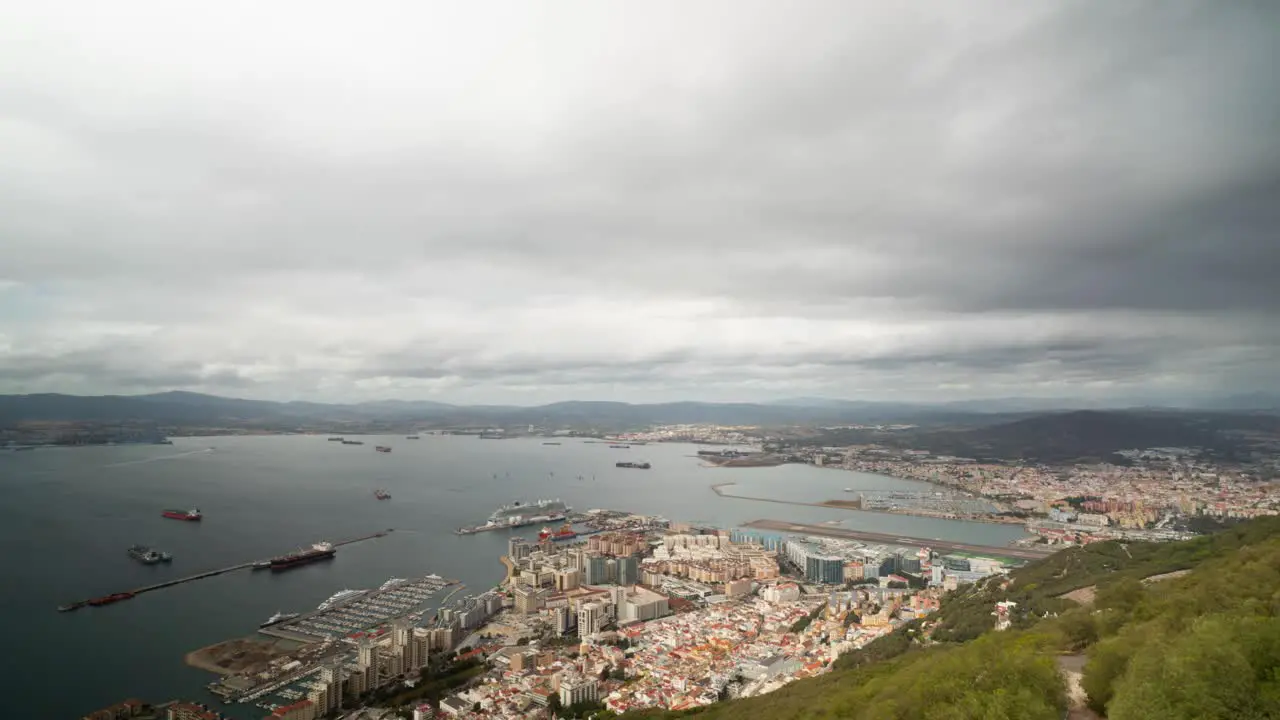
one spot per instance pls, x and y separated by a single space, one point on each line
525 202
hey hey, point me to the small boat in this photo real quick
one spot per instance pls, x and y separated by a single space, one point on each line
550 443
383 448
71 606
335 439
620 447
382 494
410 437
278 618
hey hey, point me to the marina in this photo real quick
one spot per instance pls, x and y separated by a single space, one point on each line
350 612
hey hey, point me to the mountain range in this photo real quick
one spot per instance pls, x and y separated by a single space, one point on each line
186 408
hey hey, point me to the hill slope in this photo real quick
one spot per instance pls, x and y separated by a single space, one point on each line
1203 645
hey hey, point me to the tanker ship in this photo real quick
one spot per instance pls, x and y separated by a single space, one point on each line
317 552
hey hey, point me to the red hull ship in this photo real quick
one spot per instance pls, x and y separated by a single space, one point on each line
192 515
108 599
564 533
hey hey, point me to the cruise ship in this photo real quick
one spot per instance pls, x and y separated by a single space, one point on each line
529 511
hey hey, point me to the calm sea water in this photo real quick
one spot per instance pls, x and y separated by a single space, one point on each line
69 514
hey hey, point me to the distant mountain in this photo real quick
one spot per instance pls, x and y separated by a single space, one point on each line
197 410
186 408
1093 434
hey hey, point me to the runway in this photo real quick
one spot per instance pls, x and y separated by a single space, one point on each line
944 546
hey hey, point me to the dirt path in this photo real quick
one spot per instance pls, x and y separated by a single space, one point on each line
1071 667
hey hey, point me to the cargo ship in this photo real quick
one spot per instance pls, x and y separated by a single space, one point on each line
148 556
352 442
335 439
108 599
382 494
191 515
636 465
410 437
620 447
383 448
566 532
317 552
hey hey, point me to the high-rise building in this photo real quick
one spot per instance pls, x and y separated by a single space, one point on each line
529 599
565 619
578 689
590 619
597 570
518 548
628 570
567 579
827 569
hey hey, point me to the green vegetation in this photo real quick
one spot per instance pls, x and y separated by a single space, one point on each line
1202 645
434 684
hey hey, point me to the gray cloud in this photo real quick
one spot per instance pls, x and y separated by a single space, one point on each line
641 202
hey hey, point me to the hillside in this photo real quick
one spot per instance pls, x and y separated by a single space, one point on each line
1202 645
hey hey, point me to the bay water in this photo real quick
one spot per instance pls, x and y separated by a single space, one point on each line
68 515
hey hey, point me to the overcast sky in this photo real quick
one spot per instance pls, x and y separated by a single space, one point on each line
525 202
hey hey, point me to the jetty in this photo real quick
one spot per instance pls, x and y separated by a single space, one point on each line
130 594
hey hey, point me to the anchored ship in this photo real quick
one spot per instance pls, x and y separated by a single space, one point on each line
636 465
148 556
332 439
383 448
382 494
317 552
191 515
352 442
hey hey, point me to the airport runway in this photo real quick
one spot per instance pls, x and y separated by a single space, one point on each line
944 546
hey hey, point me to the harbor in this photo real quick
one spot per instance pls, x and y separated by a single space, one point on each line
356 611
130 594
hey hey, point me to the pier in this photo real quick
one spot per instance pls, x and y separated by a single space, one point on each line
1020 553
130 594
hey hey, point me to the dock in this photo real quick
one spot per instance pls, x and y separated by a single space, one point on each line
130 594
1019 553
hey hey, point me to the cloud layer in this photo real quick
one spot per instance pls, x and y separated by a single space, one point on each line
517 202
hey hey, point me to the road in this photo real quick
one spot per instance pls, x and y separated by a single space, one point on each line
892 539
